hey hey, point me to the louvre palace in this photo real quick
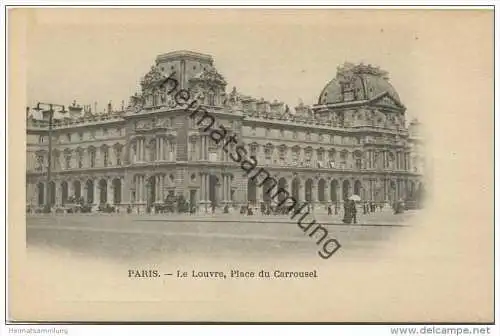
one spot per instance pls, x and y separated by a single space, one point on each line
354 140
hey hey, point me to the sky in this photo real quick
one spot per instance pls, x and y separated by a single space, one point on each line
100 55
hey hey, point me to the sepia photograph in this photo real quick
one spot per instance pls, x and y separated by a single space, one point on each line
250 165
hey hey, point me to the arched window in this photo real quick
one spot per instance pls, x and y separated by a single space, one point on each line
295 154
358 161
253 149
118 155
282 154
67 160
80 158
92 157
268 152
105 156
343 159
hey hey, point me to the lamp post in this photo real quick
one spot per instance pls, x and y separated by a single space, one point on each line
50 111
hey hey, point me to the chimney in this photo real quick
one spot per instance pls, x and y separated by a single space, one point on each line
75 111
262 105
277 107
249 104
109 107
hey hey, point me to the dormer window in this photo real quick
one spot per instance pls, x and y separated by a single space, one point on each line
211 98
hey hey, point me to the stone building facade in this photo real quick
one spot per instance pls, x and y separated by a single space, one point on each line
353 141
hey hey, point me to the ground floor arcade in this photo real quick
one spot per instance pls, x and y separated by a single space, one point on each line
207 186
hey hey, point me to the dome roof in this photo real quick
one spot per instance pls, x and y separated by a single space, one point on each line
355 83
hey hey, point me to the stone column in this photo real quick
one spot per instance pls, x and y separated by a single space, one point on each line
202 187
327 192
143 150
200 148
159 140
208 202
111 192
207 145
124 188
139 189
58 192
338 191
229 189
143 189
157 188
387 185
370 182
162 187
202 193
136 188
138 150
203 147
302 191
314 194
97 192
162 148
223 188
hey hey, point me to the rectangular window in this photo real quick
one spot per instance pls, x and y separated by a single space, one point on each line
80 160
68 161
192 151
171 152
92 159
118 156
106 158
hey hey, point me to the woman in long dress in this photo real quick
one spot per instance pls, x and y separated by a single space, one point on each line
347 212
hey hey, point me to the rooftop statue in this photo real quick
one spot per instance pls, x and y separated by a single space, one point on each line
152 79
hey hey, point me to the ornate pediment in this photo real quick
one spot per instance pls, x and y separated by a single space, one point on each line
385 100
153 78
210 75
143 125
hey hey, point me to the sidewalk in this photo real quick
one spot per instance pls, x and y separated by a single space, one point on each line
372 219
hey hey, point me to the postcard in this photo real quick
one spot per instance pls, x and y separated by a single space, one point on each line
250 165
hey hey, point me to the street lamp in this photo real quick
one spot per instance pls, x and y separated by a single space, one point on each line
50 111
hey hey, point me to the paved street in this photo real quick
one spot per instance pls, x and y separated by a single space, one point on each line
132 236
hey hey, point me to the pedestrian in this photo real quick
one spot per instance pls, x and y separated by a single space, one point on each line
347 212
353 212
329 208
